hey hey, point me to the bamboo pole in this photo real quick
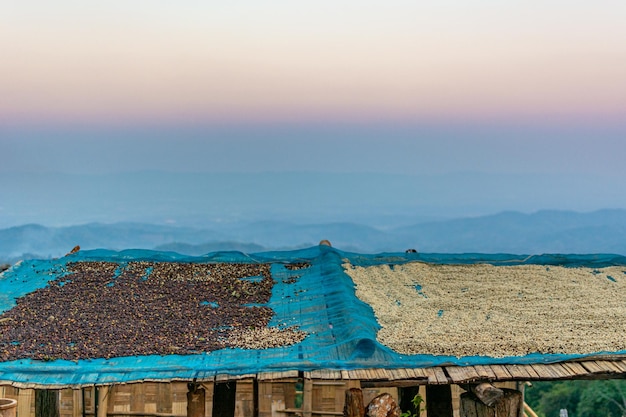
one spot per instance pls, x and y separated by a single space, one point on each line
529 411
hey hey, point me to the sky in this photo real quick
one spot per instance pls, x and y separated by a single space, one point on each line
399 87
158 62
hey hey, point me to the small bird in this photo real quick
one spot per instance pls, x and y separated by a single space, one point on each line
74 250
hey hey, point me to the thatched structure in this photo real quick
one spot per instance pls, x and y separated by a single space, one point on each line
158 334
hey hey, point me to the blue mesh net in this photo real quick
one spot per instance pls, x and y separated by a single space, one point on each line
341 329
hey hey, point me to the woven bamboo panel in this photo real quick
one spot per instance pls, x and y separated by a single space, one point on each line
70 403
26 403
208 398
328 396
124 398
278 395
179 398
244 398
88 400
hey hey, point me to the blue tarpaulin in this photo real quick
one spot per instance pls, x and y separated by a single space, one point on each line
341 329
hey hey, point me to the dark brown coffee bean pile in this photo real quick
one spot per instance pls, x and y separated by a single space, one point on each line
294 266
105 309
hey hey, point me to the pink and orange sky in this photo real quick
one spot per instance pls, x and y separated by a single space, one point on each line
144 62
471 92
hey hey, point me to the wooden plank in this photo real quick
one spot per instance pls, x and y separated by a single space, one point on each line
78 403
436 375
609 366
484 372
575 368
244 398
26 403
164 398
621 365
403 373
441 376
381 374
209 393
328 383
409 373
531 372
103 393
419 373
362 373
517 372
179 397
66 403
315 374
592 367
559 371
334 374
432 378
352 374
501 373
542 371
459 374
307 398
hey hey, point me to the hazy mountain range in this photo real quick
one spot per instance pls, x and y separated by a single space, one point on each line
602 231
208 200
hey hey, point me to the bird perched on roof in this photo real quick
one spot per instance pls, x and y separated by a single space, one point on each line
74 250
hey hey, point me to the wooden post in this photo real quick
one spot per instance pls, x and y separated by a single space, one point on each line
195 401
353 407
103 400
307 398
487 393
46 403
510 405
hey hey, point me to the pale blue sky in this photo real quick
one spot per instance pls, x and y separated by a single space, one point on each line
401 87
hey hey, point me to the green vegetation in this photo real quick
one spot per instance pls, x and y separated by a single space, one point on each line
580 398
417 405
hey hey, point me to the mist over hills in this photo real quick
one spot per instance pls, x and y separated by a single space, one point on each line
210 200
602 231
46 214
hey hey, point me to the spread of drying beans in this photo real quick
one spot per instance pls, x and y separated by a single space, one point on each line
106 309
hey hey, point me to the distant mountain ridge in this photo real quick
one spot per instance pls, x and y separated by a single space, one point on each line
548 231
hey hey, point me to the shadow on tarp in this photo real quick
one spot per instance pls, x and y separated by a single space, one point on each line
322 302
